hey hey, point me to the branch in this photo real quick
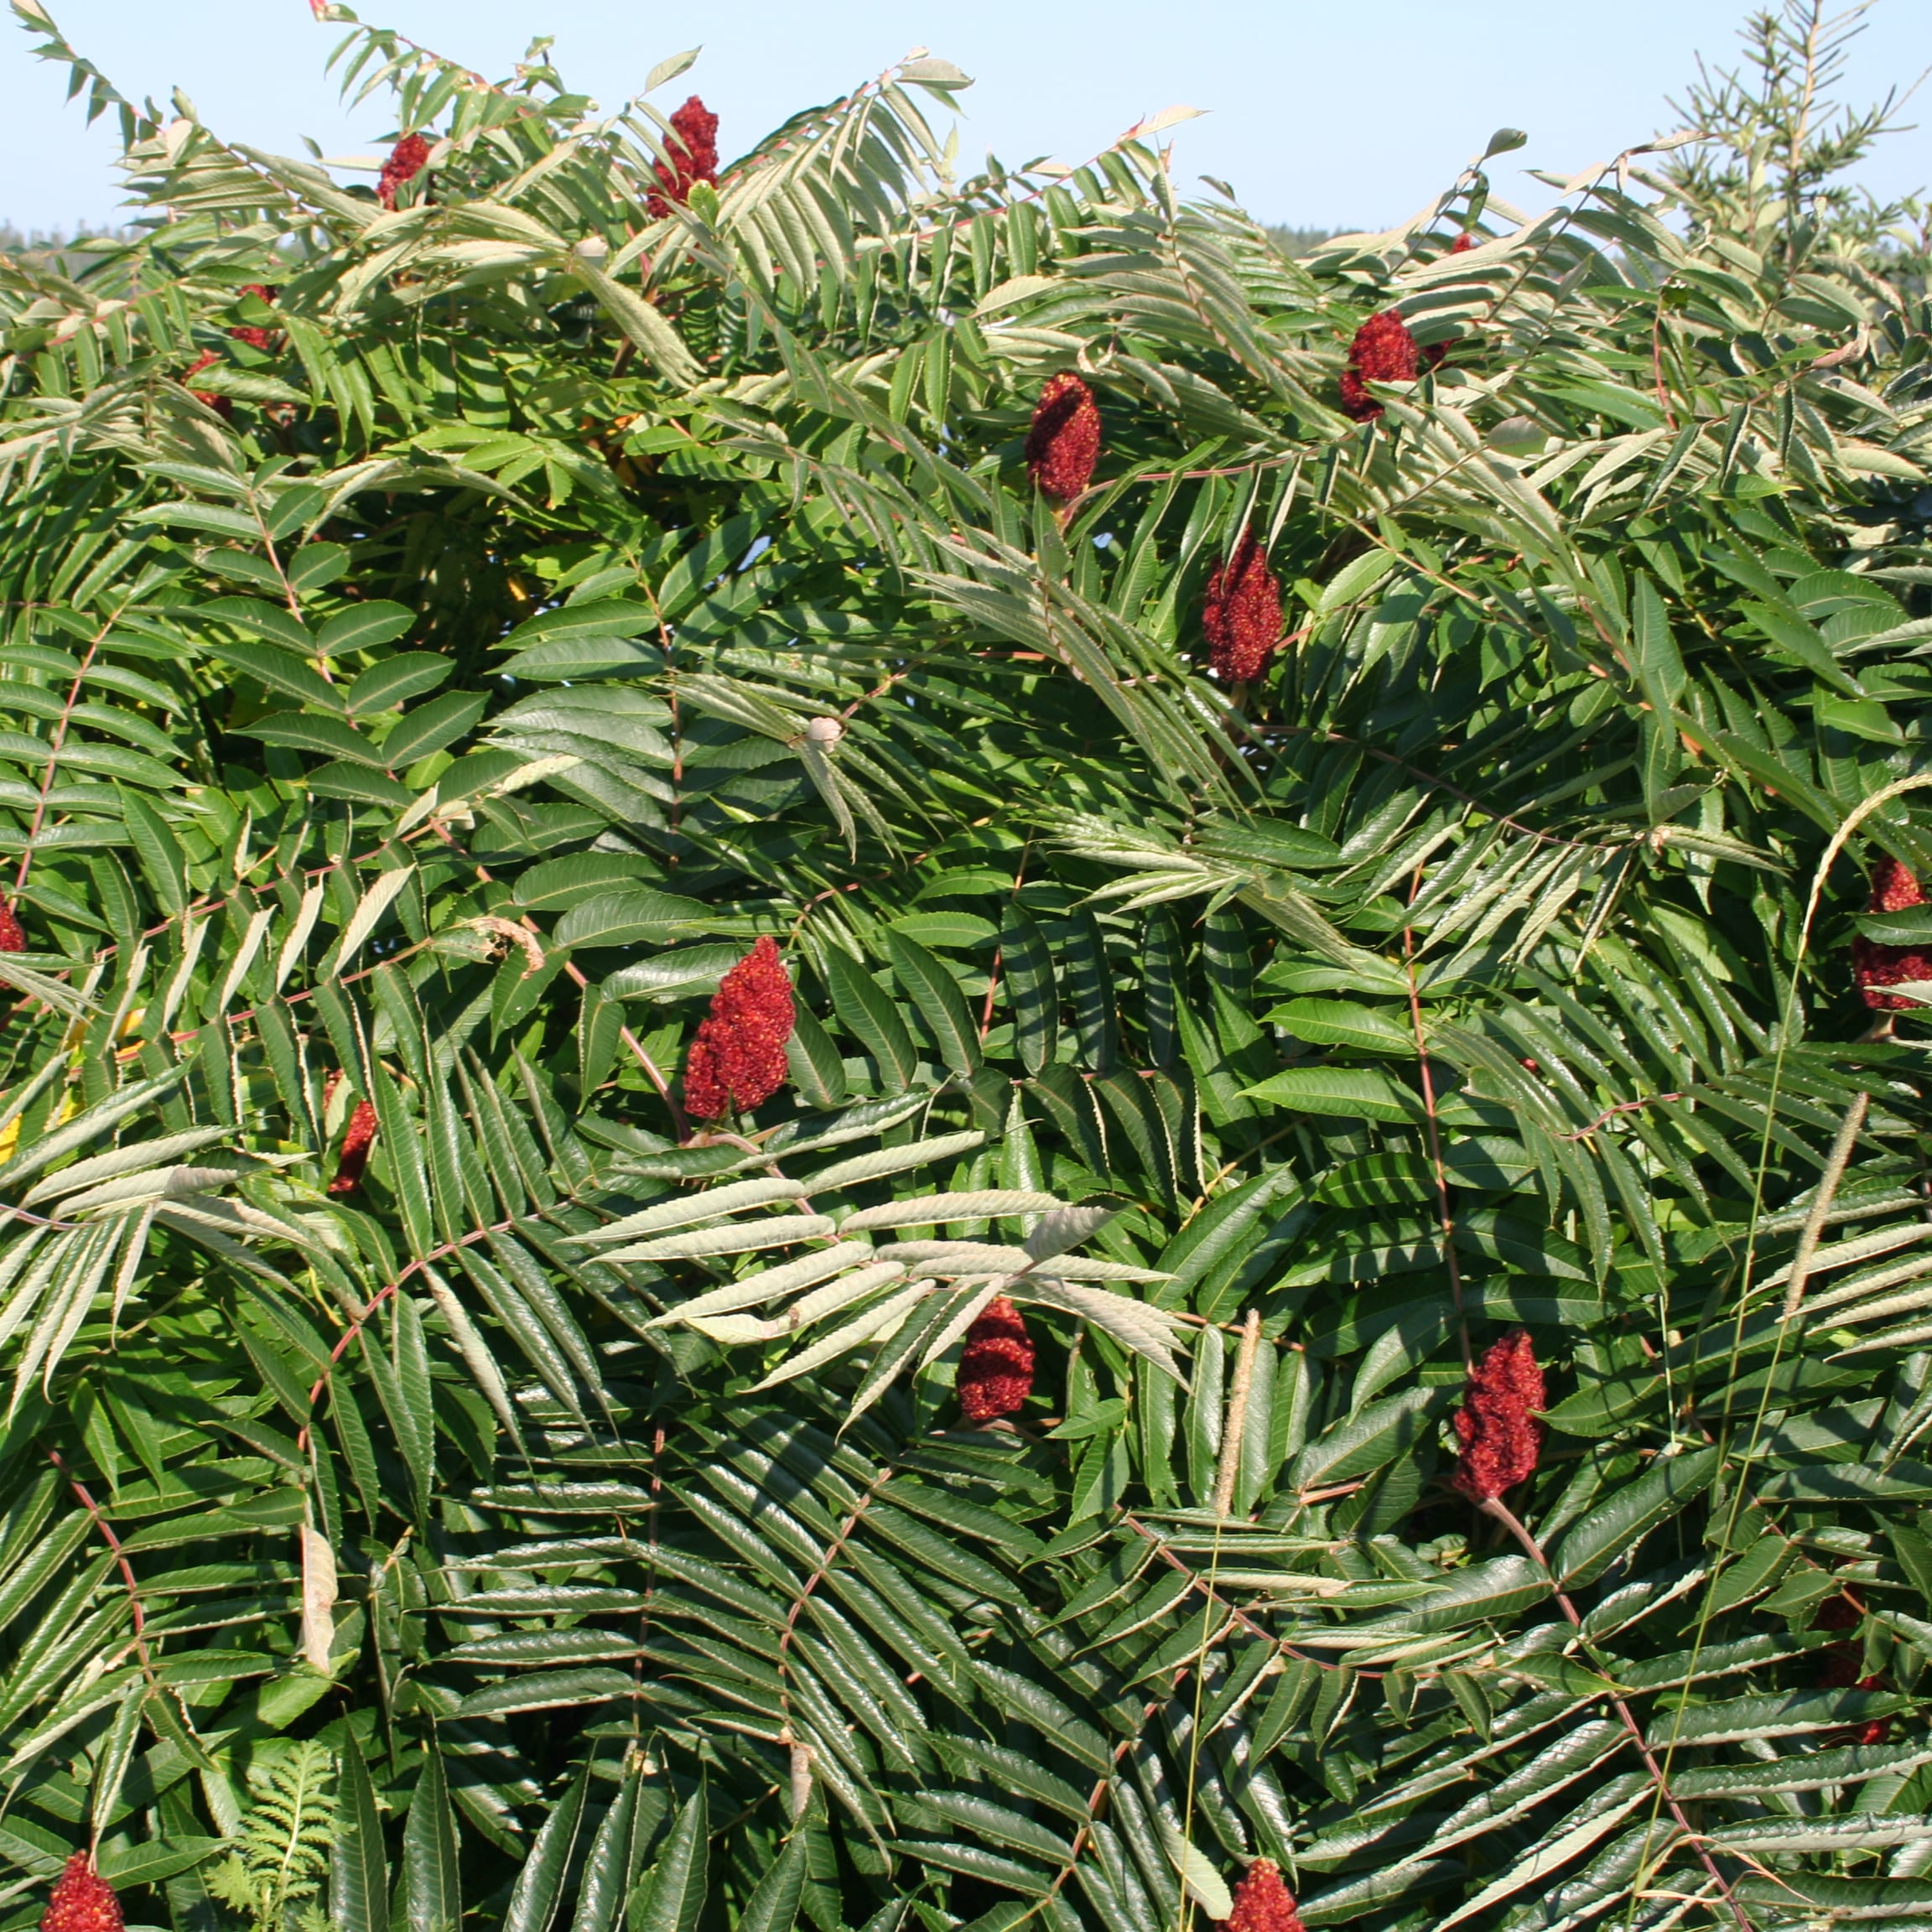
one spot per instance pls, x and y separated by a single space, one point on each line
1497 1509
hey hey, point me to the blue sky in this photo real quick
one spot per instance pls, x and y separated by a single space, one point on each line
1344 112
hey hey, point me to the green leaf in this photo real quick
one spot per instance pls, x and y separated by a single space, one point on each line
1030 990
1499 1589
556 885
1355 1446
959 929
1359 1091
127 1867
601 617
315 564
1809 1771
274 621
370 910
1487 1231
1792 634
358 783
162 862
1199 1878
560 659
934 991
279 671
1785 1715
429 727
1616 1525
1585 1826
628 918
326 737
872 1019
773 1905
358 1869
539 1893
546 1691
1344 1023
431 1894
395 680
362 627
642 322
612 1868
1660 665
816 1070
671 1896
1852 1483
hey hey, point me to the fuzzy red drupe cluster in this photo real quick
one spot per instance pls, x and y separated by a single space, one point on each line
1842 1665
82 1901
1262 1903
1497 1424
1063 445
1241 615
1462 243
1384 352
1875 966
405 163
996 1366
356 1141
247 331
737 1061
691 158
13 936
222 404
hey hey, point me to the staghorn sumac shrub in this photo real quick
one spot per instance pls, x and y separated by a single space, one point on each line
860 1072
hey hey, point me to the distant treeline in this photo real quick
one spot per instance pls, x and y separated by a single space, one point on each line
1302 241
38 241
34 241
54 243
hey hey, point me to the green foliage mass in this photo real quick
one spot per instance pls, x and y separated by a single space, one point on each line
417 702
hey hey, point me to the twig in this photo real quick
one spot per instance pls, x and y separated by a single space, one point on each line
833 1551
575 973
1258 732
384 1294
1232 1612
1657 357
1236 1427
1445 1217
1497 1508
127 1569
54 744
1835 1163
1621 1107
992 994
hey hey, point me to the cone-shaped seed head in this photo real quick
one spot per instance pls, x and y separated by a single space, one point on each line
1064 443
356 1141
1496 1425
1241 615
81 1901
692 157
1262 1903
405 163
737 1061
1383 351
1874 966
996 1366
248 332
